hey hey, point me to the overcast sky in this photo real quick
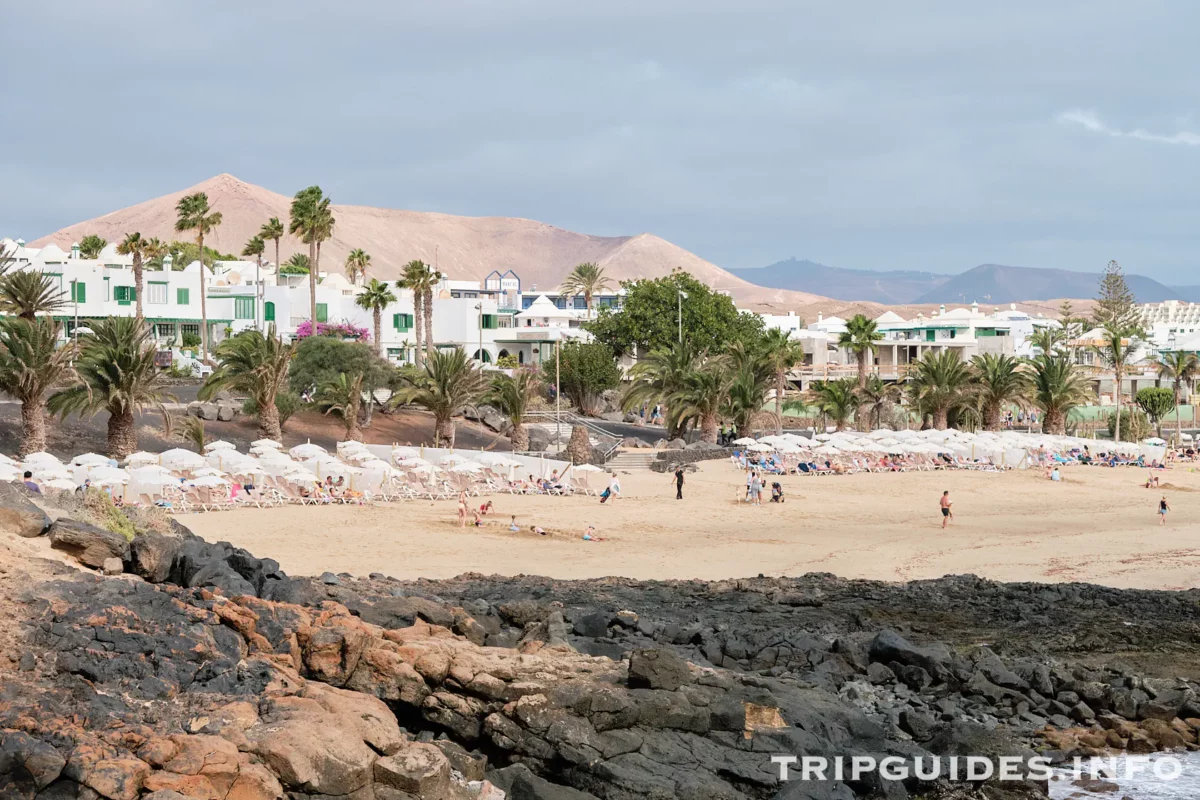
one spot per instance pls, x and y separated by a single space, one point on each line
880 135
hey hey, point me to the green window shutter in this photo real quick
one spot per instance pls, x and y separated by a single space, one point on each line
78 292
322 312
268 312
243 308
396 321
402 322
124 295
182 297
489 322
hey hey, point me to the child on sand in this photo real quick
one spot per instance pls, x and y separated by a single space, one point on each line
1163 508
513 526
486 508
590 535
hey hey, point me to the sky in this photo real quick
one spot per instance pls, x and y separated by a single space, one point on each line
876 135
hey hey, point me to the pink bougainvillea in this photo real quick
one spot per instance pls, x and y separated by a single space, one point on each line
342 330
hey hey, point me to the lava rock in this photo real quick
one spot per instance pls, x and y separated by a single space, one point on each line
658 669
19 514
88 544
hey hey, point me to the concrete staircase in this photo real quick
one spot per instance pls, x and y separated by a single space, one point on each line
632 459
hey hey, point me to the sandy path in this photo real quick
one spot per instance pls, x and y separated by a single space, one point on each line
1098 525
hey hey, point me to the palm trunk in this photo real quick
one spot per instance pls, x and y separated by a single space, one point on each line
1117 402
1054 422
277 265
941 418
419 321
379 331
429 345
268 422
137 282
520 438
33 426
991 417
779 403
862 414
708 428
443 432
1178 418
203 309
122 434
312 284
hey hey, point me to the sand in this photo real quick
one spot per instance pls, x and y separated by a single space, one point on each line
1098 525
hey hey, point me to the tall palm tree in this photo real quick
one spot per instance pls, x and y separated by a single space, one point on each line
1181 369
1000 381
586 279
839 399
876 395
27 293
312 220
781 354
937 383
375 297
272 231
194 214
704 392
747 393
116 373
298 263
134 245
343 395
357 264
1049 340
512 395
256 364
1058 387
256 247
657 377
30 363
1116 350
419 279
447 385
860 338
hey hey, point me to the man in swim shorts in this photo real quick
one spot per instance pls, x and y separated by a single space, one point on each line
945 505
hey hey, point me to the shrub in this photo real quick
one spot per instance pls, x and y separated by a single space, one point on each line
1135 425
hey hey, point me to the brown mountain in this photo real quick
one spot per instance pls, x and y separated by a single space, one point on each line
466 248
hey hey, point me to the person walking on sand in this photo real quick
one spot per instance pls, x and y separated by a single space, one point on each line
462 509
945 504
1163 508
679 482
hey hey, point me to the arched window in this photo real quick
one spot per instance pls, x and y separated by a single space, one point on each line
483 355
269 311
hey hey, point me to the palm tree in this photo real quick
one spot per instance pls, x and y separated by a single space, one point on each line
256 247
448 384
116 373
419 279
29 292
586 279
91 245
1181 369
747 394
1049 340
512 395
312 220
298 264
375 297
859 338
1000 381
257 365
1116 349
193 433
357 264
343 395
876 395
937 383
134 245
196 215
272 231
657 377
30 363
701 397
781 355
837 398
1057 387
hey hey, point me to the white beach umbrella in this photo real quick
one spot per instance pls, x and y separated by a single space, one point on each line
108 475
453 458
493 458
267 443
141 458
1154 441
178 458
90 460
220 444
414 462
745 440
403 451
307 450
150 472
351 446
9 473
467 466
827 450
300 474
39 459
209 480
760 448
788 448
201 471
52 472
587 468
60 483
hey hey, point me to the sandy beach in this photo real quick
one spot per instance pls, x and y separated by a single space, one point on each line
1098 525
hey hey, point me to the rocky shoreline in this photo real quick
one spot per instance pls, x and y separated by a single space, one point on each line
204 672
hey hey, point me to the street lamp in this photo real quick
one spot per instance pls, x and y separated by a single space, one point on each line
479 308
682 296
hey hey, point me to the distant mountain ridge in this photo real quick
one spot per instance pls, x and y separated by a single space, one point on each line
986 283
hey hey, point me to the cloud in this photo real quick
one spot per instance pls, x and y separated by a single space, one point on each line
1092 122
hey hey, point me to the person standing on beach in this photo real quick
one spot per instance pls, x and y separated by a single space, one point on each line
945 505
1163 508
679 482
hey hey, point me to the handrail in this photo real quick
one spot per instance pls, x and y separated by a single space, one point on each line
571 418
